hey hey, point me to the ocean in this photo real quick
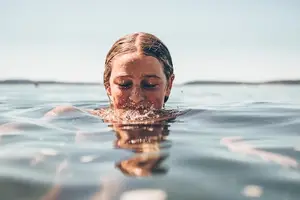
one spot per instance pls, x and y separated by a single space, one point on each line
237 142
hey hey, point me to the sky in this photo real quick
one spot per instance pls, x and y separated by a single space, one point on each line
67 40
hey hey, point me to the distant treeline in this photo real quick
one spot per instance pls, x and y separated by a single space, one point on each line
275 82
20 81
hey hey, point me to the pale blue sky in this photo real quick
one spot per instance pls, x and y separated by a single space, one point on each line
209 40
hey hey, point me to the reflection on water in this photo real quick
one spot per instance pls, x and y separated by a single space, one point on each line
149 144
150 147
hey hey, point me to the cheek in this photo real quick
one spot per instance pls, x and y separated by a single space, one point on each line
155 99
119 101
119 97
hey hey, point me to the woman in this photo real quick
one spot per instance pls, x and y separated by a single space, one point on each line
138 77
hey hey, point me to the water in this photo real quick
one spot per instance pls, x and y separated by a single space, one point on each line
237 142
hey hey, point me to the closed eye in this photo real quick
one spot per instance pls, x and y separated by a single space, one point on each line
149 86
125 85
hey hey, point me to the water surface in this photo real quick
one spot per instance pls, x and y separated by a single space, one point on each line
237 142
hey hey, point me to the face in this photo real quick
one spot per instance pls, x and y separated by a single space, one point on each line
138 82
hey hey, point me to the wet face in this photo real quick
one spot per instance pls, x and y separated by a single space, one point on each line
138 82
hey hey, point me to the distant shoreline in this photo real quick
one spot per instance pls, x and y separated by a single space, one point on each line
274 82
199 82
30 82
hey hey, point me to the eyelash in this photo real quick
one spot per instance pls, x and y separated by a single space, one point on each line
149 86
145 86
125 85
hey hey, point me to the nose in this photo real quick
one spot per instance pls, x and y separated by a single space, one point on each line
136 95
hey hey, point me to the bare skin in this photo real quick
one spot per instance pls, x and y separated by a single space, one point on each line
138 81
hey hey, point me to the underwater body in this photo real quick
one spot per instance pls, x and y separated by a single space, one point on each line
230 142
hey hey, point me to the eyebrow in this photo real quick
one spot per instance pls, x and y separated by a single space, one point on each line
121 76
151 76
144 76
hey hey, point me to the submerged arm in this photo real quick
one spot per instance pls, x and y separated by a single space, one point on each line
58 111
8 128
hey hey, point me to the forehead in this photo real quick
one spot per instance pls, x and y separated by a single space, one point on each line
136 65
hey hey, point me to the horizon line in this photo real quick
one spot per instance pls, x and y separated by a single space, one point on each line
192 82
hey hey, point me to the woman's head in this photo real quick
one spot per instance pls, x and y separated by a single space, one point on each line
138 72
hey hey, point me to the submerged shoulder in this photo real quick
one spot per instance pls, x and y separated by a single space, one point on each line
60 110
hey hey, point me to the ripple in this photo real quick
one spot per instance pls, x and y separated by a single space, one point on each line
233 143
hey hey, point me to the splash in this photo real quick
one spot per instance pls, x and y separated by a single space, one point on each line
138 116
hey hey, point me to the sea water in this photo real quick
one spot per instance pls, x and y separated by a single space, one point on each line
236 142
